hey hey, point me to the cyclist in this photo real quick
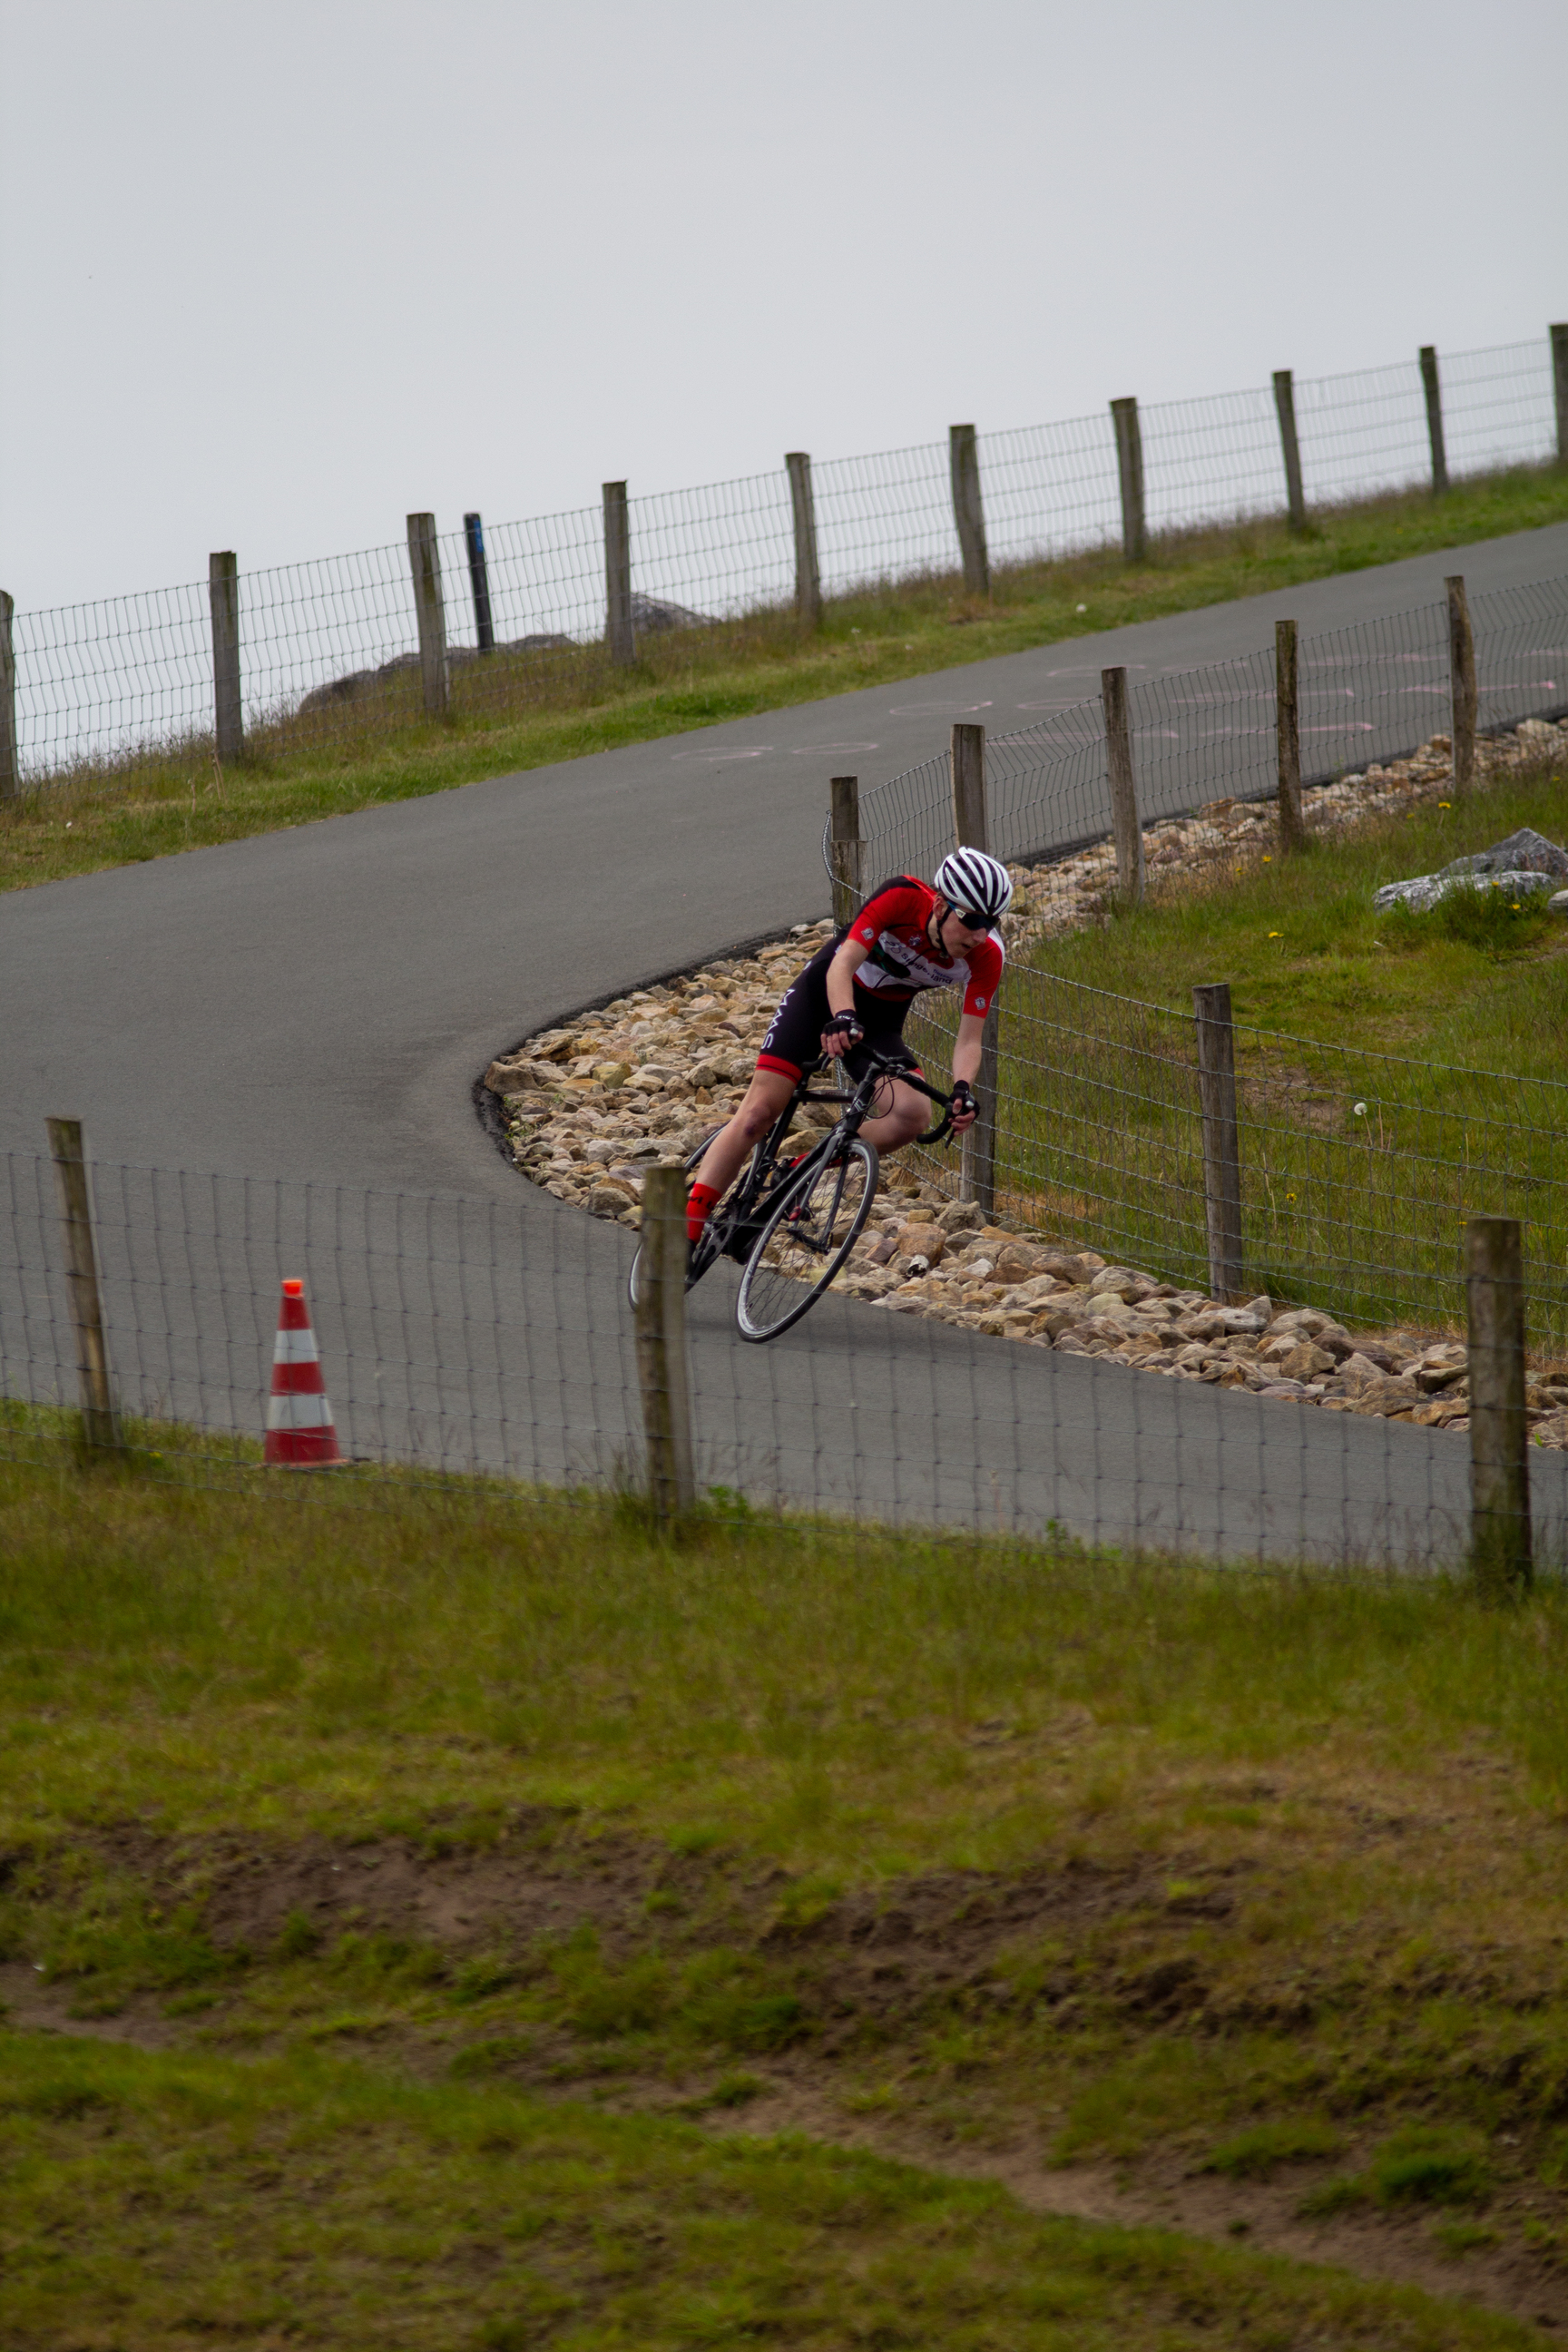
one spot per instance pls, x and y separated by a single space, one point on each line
855 992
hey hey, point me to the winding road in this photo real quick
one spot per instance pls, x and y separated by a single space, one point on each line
306 1013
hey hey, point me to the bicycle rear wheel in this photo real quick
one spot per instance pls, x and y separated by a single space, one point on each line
701 1260
810 1232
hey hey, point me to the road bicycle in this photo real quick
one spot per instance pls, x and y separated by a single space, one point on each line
791 1223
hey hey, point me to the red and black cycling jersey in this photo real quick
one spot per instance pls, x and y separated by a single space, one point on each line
900 963
901 959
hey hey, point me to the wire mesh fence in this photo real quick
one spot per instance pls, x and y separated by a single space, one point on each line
1359 1170
1371 693
330 649
461 1339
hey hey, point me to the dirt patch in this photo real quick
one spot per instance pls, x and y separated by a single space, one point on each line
534 1874
539 1876
30 2005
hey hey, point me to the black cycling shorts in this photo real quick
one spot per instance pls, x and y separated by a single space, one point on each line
795 1035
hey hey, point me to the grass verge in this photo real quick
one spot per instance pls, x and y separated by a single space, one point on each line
1157 1865
167 2202
152 807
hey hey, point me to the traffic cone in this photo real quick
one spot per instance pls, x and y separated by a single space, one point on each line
299 1432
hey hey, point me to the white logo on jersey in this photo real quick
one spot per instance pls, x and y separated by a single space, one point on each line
914 968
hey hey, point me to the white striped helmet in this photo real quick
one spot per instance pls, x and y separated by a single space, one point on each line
976 884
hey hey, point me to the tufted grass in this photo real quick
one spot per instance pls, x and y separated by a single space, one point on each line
166 2202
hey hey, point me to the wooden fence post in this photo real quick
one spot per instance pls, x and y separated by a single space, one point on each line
807 576
1500 1461
1560 388
1288 731
1434 391
619 635
1222 1141
10 765
223 597
968 512
100 1431
843 845
661 1345
1130 471
1126 830
431 611
1462 683
1285 409
972 830
479 583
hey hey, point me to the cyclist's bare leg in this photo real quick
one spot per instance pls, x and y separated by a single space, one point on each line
899 1124
727 1154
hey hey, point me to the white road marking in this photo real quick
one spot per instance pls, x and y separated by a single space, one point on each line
712 758
810 751
935 709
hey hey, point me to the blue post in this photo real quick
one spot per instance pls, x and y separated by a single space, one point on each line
474 531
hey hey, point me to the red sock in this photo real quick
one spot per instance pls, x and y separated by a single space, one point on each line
698 1200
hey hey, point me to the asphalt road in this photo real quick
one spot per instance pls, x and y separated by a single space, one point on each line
313 1007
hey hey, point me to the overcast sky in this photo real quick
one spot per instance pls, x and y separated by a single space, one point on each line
274 275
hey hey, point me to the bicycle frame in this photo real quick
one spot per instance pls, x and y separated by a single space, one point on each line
854 1109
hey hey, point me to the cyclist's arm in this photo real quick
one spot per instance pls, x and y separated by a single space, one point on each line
966 1048
841 971
966 1065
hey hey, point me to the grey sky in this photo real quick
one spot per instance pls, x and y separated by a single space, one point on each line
274 275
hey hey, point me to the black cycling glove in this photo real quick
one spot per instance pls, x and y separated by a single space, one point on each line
843 1024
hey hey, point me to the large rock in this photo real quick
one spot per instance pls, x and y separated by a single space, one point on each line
608 1197
1080 1267
925 1240
513 1077
1016 1261
1423 891
1525 861
357 685
656 613
1524 852
1121 1281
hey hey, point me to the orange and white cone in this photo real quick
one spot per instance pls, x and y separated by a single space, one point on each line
300 1432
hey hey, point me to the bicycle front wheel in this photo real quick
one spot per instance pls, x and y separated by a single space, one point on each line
811 1232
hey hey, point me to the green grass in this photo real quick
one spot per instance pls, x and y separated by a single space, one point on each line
322 1665
1259 2153
167 2202
1262 1871
153 806
1362 1211
1473 984
1422 2165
